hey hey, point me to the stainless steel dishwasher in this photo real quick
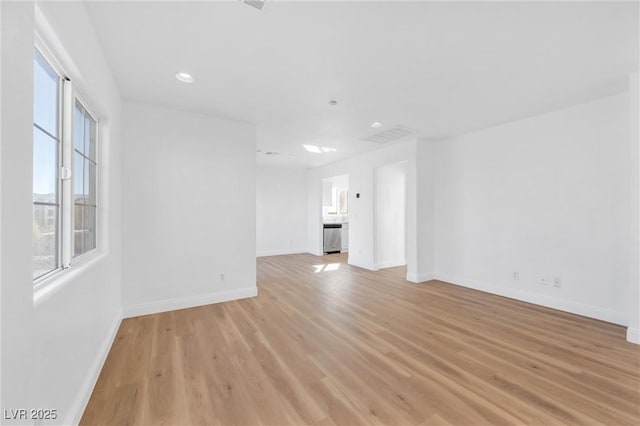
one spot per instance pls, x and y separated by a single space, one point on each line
332 237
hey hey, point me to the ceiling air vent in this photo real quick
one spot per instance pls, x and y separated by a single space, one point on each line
390 135
258 4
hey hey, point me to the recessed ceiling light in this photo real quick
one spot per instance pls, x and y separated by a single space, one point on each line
184 77
376 124
312 148
317 150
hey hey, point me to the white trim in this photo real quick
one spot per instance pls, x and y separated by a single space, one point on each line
363 265
419 278
279 252
314 252
578 308
633 335
75 98
74 415
54 282
391 264
147 308
50 61
67 211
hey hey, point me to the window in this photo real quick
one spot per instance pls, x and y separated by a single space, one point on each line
64 172
46 165
84 181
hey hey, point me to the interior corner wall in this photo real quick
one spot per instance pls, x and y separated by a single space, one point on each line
546 196
633 331
281 211
53 345
425 213
361 171
189 209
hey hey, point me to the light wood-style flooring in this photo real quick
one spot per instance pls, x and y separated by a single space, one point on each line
329 344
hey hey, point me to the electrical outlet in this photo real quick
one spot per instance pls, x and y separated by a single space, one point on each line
516 275
221 277
557 282
543 280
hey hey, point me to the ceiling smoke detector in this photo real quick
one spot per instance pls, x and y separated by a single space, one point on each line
258 4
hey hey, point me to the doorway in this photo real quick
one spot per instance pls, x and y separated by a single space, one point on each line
335 214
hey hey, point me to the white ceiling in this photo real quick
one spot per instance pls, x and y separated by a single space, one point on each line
439 68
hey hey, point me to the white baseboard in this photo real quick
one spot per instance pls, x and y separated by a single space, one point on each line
578 308
279 252
391 264
76 411
188 302
363 265
419 278
633 335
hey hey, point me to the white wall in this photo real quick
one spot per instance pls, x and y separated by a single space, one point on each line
633 332
1 118
189 209
53 342
390 213
423 268
281 211
544 196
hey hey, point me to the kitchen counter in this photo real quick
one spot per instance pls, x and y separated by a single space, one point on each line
335 223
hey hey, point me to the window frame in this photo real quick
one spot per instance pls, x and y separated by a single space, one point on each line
68 94
76 97
43 51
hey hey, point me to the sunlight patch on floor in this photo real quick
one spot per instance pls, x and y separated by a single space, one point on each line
328 267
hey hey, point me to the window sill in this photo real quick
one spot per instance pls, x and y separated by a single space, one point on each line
50 286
